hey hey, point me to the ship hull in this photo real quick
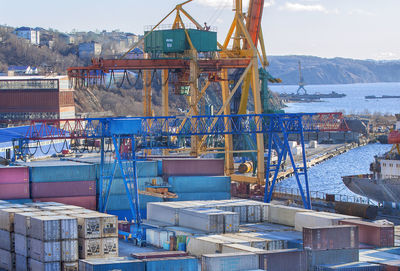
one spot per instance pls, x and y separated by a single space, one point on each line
379 190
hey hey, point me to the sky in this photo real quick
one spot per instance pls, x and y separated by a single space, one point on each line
360 29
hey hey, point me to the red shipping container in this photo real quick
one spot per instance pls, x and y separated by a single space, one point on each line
334 237
391 265
193 167
88 202
14 175
63 189
14 191
372 233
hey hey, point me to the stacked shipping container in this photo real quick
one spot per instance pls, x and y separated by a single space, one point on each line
14 183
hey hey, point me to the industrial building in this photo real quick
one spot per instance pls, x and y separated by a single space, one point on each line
23 98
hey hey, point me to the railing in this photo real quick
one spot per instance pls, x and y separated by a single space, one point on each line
294 193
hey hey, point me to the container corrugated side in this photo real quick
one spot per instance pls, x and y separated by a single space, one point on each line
202 196
7 259
358 266
193 167
22 221
14 191
44 266
45 228
229 262
63 189
69 250
200 184
68 227
7 240
88 202
62 172
186 263
7 218
332 256
14 175
21 262
335 237
119 264
287 259
21 244
44 251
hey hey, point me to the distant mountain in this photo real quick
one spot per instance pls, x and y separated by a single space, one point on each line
318 70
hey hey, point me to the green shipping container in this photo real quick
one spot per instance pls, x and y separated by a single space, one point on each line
174 41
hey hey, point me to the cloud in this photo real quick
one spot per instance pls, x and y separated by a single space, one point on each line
304 7
386 56
269 3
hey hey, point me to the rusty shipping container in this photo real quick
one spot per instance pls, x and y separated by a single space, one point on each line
88 202
63 189
372 233
28 101
356 209
10 175
286 259
193 167
335 237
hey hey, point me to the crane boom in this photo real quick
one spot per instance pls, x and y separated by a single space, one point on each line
254 18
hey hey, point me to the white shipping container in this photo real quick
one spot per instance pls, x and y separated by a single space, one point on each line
71 266
7 218
198 246
22 221
69 227
109 225
21 245
164 212
7 260
7 240
319 219
44 251
284 215
89 248
229 262
45 228
21 263
44 266
69 250
235 248
109 247
208 220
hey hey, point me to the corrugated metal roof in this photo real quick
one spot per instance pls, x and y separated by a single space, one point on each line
8 134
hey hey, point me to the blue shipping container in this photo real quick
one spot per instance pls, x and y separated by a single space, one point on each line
111 264
118 186
358 266
61 171
202 196
199 184
144 169
172 264
333 256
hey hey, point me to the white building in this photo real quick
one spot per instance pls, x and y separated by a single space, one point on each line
29 34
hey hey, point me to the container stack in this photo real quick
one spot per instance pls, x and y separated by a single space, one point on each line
66 182
196 179
330 245
14 183
98 235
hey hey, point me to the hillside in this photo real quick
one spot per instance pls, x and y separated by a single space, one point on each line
318 70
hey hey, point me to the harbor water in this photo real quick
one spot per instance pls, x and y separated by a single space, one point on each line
326 177
353 103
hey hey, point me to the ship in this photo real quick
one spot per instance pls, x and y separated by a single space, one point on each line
302 95
383 183
382 97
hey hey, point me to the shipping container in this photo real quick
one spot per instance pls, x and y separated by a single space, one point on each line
88 202
199 184
68 227
284 215
7 240
14 191
45 228
373 233
22 221
7 218
61 171
119 264
202 196
109 225
89 248
283 260
158 237
109 247
236 248
120 202
358 266
21 245
44 251
21 263
44 266
70 266
319 219
89 225
63 189
186 263
335 237
14 175
7 260
332 256
69 250
118 185
144 169
193 167
158 255
229 262
208 220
